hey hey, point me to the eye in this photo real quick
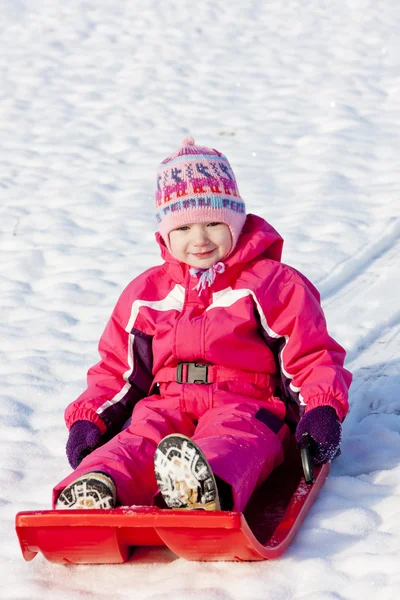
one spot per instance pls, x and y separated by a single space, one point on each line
213 224
183 228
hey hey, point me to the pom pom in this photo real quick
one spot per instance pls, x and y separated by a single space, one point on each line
187 141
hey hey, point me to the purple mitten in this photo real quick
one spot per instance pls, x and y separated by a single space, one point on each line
324 428
84 437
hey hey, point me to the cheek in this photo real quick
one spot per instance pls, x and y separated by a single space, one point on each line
228 241
177 244
172 243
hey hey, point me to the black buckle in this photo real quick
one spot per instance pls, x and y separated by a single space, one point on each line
195 373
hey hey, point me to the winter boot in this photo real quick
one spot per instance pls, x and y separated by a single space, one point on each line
183 475
92 490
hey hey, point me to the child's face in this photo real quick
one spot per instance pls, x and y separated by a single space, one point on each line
201 245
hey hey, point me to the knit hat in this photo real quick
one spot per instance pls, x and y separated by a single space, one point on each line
197 185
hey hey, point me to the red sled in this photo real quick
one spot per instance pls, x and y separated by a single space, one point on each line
264 531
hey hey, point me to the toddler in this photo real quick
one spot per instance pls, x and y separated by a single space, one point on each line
204 359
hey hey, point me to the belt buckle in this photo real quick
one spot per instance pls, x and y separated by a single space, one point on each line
195 373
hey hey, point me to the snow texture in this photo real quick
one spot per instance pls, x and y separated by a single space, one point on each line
304 98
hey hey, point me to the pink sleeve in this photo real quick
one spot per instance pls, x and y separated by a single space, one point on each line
112 387
311 361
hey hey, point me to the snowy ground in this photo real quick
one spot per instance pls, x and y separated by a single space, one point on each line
304 98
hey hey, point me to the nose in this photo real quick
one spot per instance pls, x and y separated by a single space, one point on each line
200 238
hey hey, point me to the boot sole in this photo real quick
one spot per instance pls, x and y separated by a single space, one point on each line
183 475
93 490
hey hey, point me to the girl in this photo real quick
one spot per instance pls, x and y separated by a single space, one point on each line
203 359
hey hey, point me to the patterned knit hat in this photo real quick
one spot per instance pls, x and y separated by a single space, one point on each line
197 185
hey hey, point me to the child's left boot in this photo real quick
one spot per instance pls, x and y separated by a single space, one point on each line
183 475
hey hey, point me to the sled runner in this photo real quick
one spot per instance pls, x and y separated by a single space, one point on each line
265 529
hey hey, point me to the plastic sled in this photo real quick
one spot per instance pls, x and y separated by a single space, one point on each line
264 531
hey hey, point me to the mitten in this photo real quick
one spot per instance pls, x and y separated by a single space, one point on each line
325 431
84 437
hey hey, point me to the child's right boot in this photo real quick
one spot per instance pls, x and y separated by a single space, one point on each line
183 475
92 490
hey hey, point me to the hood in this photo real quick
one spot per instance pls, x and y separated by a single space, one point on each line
258 239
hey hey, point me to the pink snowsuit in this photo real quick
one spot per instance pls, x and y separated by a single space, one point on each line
260 325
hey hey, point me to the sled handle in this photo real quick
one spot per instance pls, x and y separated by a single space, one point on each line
306 461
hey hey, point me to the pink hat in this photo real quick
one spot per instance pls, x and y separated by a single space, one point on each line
197 185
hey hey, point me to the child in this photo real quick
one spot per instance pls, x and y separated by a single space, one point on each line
203 359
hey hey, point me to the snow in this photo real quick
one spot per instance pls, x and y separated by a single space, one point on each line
303 97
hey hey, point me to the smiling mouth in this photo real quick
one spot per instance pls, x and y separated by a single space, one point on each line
201 254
